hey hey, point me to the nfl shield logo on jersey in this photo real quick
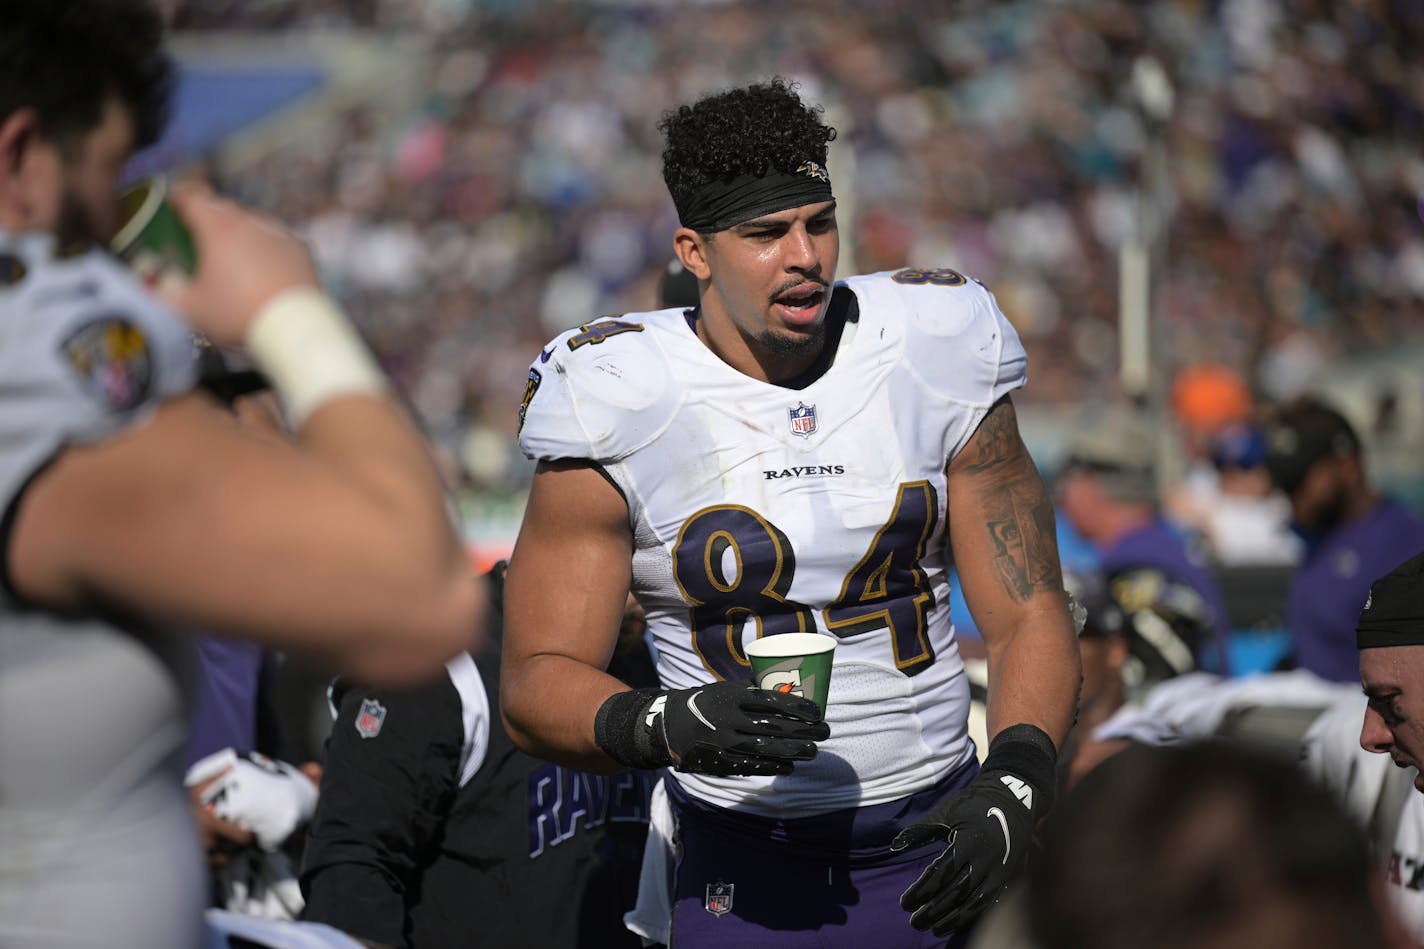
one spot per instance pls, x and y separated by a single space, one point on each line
371 718
803 419
719 898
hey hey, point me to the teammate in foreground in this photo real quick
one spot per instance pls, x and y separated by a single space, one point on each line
132 509
789 456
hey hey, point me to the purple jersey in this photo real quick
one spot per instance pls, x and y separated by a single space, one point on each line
225 708
1329 589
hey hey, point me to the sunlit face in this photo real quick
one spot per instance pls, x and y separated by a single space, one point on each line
771 277
1393 680
91 208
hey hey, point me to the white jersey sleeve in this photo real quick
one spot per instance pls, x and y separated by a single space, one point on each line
84 353
599 392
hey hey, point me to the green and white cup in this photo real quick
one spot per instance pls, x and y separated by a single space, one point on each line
152 239
795 663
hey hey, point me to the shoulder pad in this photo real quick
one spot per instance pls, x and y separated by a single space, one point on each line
84 353
957 339
599 391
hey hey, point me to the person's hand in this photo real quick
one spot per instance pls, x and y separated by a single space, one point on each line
988 827
245 259
266 797
217 836
722 728
730 728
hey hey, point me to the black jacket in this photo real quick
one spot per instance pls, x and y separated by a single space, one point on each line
423 838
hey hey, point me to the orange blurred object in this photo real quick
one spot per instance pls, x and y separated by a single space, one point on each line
1208 396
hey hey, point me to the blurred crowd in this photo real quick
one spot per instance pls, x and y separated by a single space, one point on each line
522 195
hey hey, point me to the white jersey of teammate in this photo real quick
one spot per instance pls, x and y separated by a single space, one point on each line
1326 732
97 845
1382 797
759 509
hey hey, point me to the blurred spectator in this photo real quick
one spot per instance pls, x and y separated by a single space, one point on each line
1107 489
1352 532
1244 520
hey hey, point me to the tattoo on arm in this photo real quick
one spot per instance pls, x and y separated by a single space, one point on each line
1014 504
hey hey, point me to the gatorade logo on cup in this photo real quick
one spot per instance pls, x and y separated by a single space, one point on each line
786 677
794 663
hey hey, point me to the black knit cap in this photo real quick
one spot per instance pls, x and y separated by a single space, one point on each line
1394 612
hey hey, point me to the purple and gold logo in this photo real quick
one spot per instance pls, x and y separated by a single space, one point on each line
813 169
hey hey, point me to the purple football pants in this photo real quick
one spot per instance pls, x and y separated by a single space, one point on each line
824 882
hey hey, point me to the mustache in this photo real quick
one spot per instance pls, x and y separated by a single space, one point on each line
815 279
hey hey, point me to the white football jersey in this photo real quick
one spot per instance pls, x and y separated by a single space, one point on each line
759 509
97 845
1380 795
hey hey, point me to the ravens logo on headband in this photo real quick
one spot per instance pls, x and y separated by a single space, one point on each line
111 357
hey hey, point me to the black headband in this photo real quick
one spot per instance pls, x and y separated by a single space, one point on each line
718 205
1394 613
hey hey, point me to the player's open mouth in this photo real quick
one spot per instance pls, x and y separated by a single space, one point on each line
801 306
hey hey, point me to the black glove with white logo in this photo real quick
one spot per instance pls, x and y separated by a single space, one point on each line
988 826
723 728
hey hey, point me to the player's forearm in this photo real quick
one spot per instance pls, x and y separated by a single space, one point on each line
1034 674
549 704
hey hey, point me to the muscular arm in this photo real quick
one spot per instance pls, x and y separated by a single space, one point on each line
337 543
563 605
1006 551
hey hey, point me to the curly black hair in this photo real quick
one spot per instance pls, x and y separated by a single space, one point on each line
64 58
747 131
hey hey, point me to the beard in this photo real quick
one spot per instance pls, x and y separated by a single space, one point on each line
1325 515
800 345
1332 512
77 224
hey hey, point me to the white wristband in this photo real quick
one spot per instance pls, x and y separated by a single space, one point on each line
311 354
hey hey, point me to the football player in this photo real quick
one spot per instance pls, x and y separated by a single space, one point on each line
132 509
791 455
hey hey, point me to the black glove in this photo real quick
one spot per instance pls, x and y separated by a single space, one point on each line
723 728
989 826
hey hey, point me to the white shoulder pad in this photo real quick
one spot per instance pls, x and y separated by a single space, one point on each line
601 391
957 339
958 343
